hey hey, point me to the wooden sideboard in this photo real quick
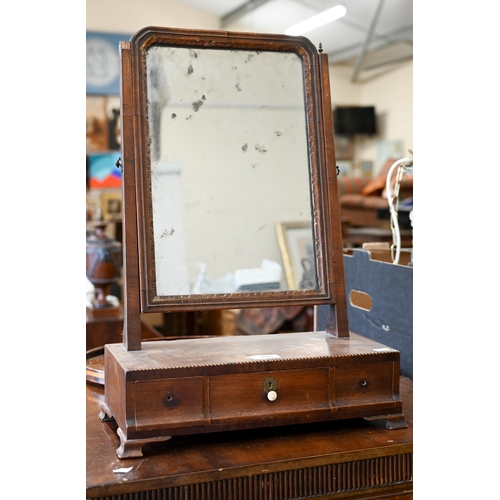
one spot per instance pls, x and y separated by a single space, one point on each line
106 328
352 459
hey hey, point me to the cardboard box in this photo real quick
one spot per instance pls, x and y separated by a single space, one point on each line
379 301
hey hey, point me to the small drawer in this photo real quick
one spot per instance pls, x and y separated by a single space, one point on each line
174 402
363 384
242 396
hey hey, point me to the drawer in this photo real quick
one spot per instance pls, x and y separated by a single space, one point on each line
363 384
170 403
242 396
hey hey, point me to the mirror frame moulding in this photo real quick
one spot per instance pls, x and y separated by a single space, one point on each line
139 259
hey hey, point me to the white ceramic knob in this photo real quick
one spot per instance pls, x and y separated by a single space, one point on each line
272 395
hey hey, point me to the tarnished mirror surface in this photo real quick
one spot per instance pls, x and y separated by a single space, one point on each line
229 162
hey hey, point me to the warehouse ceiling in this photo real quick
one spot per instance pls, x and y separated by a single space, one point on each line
373 37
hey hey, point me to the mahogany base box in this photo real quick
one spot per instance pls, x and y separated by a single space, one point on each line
182 387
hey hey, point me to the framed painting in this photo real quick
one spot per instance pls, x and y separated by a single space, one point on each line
113 118
103 172
97 124
103 63
111 202
297 249
367 169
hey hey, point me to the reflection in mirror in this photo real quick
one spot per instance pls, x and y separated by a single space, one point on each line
229 161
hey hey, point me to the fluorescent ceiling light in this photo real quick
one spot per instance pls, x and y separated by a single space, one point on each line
316 21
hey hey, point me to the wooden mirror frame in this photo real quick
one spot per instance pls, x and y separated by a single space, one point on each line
138 246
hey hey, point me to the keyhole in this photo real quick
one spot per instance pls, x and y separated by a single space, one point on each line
169 398
270 384
364 383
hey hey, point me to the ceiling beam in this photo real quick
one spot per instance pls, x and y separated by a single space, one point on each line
366 44
240 11
404 35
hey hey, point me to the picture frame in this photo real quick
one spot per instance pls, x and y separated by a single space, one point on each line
113 119
103 172
296 244
103 62
103 124
97 128
111 203
367 169
344 147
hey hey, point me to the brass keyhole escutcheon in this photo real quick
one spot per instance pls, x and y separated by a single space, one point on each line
270 384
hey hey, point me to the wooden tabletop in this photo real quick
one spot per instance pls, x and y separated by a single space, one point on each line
214 459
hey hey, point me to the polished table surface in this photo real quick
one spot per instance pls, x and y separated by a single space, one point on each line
341 459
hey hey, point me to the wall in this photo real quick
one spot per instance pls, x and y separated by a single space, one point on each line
127 16
391 92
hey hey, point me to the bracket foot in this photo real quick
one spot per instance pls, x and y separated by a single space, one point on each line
396 421
105 414
132 448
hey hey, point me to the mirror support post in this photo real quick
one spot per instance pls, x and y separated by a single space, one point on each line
337 321
331 322
131 300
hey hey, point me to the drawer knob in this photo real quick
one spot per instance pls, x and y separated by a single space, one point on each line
272 395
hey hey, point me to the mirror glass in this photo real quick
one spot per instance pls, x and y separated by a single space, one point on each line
229 165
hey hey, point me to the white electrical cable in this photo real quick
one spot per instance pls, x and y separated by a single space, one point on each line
392 209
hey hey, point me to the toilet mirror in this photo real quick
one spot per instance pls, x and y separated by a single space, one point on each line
227 136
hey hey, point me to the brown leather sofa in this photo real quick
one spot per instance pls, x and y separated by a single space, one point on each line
361 198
